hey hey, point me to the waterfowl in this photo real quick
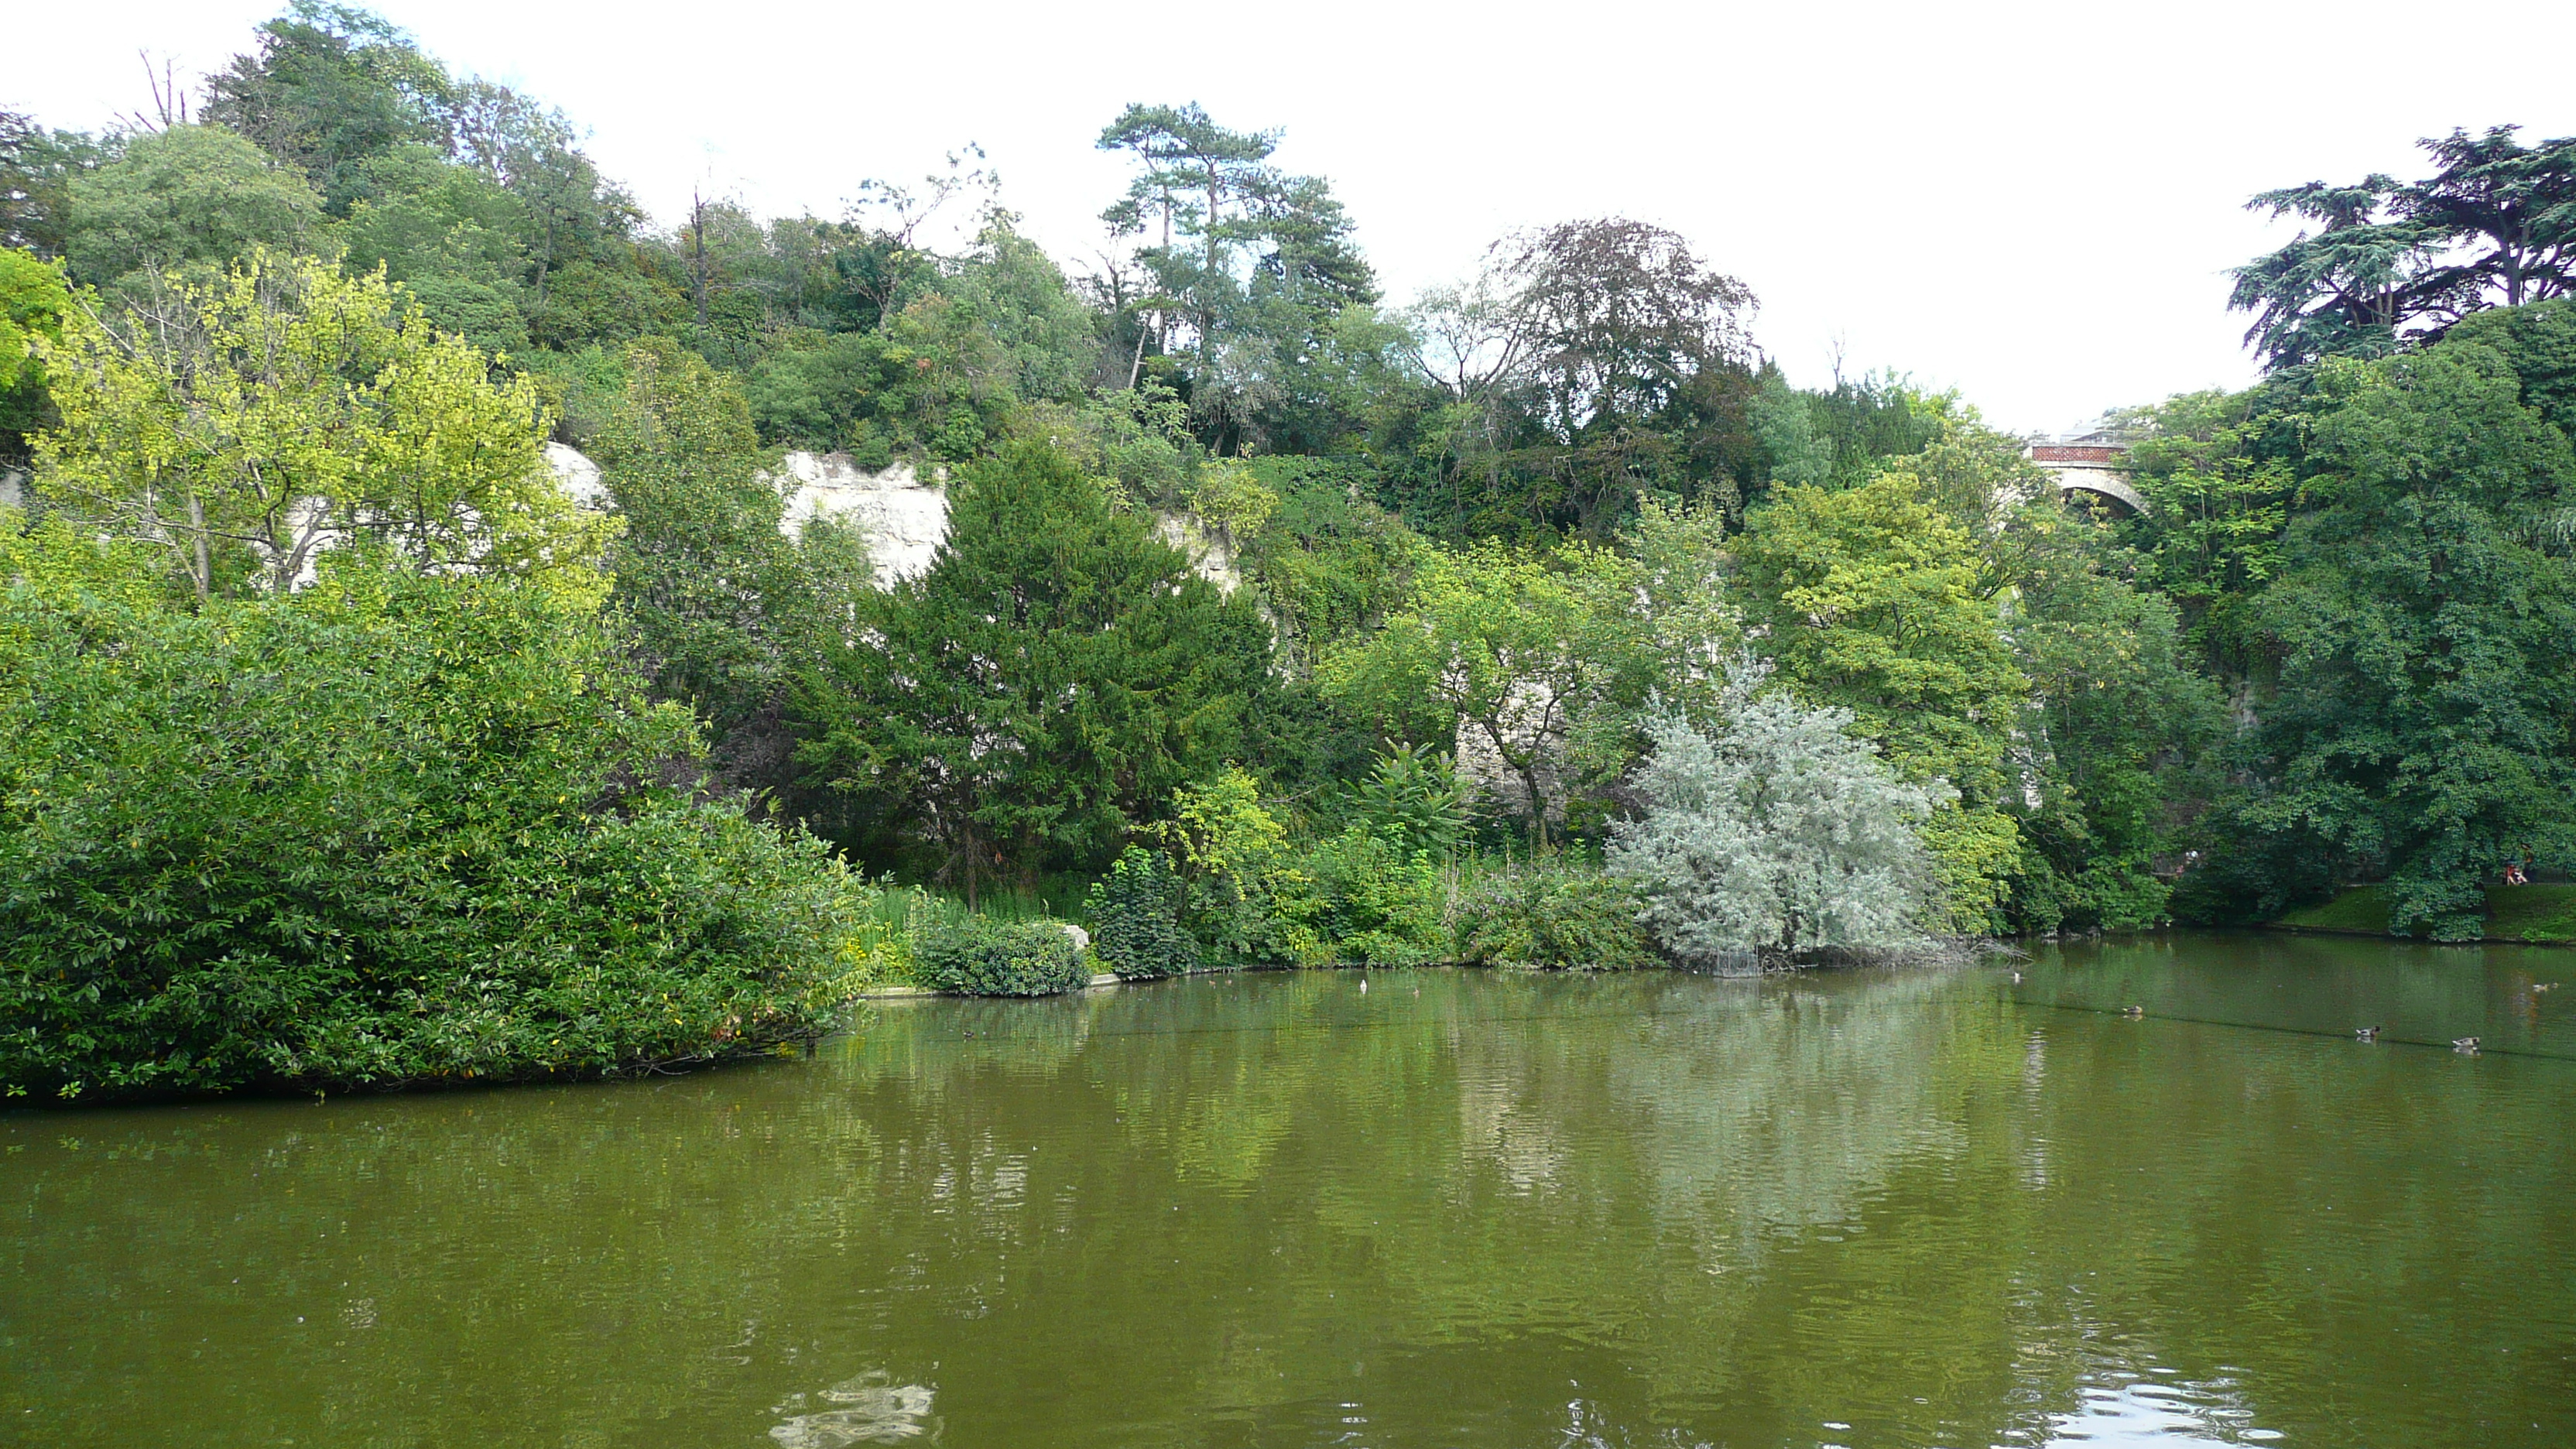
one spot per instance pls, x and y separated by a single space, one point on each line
2016 978
2365 1033
2468 1044
2133 1011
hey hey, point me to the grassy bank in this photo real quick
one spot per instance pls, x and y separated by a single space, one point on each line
2539 914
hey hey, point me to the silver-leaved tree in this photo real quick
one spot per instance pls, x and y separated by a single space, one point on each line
1778 836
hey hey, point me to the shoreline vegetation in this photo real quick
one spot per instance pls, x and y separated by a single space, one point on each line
2540 914
1540 621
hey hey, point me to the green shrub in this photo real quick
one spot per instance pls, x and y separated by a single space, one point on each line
1362 899
387 830
981 957
1555 915
1414 798
1135 915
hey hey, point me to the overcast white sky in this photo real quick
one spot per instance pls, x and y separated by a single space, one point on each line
2035 204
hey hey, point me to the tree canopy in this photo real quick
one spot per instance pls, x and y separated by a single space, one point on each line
1222 516
2391 260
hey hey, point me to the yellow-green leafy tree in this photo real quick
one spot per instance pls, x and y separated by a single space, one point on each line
32 303
248 424
1869 599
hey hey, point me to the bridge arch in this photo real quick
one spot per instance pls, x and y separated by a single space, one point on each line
2094 465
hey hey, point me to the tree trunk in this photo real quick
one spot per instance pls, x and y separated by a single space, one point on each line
1207 279
1537 801
204 572
698 250
546 264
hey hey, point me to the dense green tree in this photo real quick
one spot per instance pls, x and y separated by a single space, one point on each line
570 217
1618 316
33 305
1041 689
2114 743
1870 599
2104 753
933 384
1536 662
943 376
1785 423
1591 365
2218 472
330 88
390 829
190 196
1865 421
453 237
36 170
2390 262
609 300
2539 342
1250 274
1331 565
1020 297
2424 722
1195 187
724 605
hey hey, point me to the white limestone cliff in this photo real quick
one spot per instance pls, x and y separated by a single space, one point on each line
578 476
903 518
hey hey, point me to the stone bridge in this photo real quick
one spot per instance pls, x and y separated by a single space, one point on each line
2090 463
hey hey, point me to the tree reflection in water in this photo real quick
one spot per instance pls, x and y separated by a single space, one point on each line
1869 1208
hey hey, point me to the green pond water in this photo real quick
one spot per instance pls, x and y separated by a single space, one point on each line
1856 1208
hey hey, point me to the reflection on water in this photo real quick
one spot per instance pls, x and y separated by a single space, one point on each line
2167 1413
1860 1209
869 1409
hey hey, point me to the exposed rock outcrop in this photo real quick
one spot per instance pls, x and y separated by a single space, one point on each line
578 475
1210 553
903 518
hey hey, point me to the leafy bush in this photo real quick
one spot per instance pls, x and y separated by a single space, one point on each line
1135 914
1362 899
1228 855
386 830
1782 835
1413 797
983 957
1553 914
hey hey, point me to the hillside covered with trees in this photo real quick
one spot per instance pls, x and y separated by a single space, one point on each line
343 746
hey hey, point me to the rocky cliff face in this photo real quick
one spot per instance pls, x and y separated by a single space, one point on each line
1210 553
578 475
903 518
